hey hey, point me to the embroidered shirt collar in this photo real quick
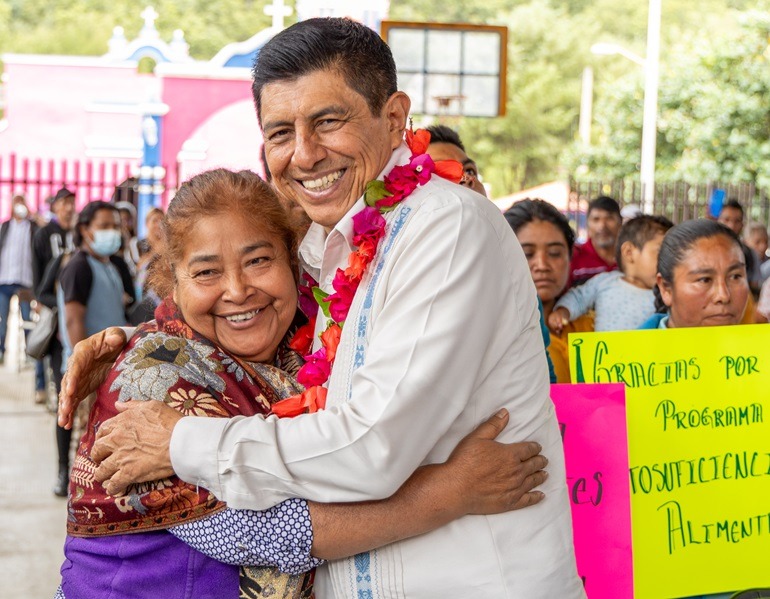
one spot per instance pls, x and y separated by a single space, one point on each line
316 241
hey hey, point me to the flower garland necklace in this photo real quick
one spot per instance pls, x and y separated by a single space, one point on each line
368 231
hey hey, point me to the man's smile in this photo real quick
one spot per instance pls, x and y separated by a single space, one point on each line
322 183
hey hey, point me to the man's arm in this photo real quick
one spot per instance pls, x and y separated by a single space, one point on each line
75 319
480 477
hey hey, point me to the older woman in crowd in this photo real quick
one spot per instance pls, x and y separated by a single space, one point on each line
221 347
547 240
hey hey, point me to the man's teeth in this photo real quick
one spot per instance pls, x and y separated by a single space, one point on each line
242 317
322 183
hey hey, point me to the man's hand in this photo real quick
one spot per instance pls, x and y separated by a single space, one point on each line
133 447
87 368
496 477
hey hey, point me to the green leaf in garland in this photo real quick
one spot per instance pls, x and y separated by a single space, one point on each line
320 297
384 209
374 192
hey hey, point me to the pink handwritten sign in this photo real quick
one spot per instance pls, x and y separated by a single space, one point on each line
593 424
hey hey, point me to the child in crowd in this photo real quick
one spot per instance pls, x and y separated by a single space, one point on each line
622 299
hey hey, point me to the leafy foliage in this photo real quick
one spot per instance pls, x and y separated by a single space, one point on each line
83 27
713 123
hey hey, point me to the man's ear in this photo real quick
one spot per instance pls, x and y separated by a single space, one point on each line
396 111
665 290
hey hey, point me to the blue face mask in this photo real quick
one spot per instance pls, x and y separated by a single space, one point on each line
106 243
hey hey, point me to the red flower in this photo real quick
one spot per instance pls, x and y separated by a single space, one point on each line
367 250
311 400
316 370
418 141
331 340
357 264
451 170
302 340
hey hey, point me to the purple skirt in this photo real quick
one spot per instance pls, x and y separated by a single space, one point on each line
143 566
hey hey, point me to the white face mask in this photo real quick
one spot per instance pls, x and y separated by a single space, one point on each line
106 242
20 211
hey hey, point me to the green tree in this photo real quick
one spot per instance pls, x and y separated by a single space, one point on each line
713 123
83 27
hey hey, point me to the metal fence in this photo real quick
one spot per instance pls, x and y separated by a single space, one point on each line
676 200
37 179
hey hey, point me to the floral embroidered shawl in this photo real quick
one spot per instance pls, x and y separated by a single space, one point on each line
166 360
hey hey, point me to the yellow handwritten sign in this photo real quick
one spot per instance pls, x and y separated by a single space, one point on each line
698 412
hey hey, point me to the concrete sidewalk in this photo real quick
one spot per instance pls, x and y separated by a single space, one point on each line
32 518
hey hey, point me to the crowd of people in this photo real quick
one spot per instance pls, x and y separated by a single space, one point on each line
87 267
329 414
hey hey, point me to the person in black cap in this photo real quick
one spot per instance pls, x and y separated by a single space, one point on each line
51 242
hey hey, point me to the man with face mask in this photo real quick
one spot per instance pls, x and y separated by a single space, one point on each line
15 263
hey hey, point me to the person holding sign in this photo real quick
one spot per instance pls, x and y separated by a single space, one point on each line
701 282
701 277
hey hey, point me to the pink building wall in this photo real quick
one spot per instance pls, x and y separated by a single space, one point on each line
47 105
192 101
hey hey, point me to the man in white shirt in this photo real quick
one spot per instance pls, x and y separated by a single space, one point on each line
442 332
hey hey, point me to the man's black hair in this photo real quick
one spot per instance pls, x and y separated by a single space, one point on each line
732 203
443 134
605 203
529 210
357 52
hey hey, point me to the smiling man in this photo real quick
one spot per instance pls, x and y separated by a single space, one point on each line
442 331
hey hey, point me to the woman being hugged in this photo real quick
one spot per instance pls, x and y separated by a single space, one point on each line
220 347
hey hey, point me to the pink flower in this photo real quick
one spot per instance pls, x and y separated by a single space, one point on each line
307 302
368 224
423 167
340 301
316 370
401 181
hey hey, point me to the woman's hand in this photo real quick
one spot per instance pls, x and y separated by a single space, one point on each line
558 319
487 477
481 476
87 368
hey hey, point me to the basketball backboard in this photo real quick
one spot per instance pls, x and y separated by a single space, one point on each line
450 69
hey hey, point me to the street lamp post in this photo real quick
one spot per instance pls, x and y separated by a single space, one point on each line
650 119
651 67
